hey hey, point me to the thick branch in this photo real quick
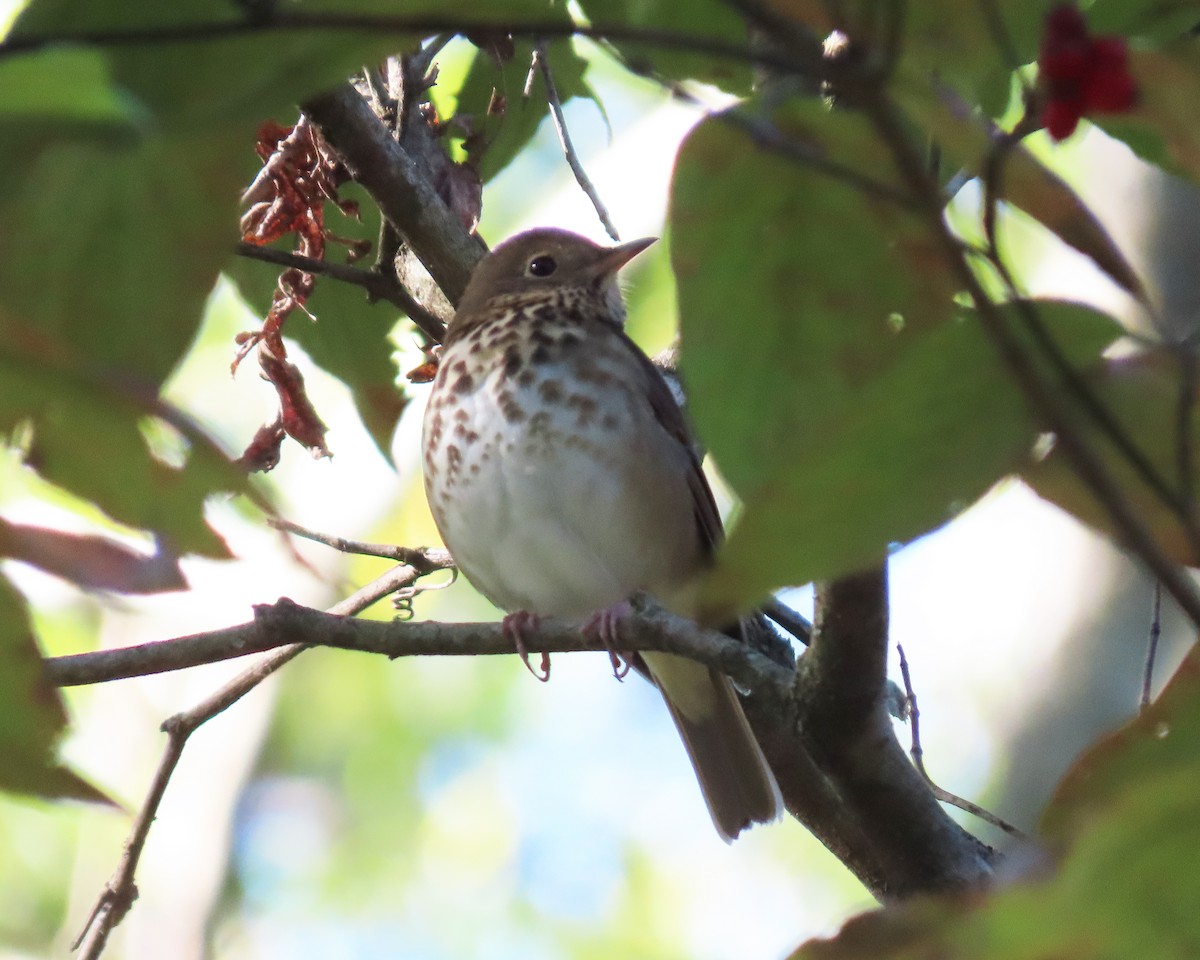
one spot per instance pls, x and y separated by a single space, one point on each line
844 720
808 793
284 623
398 185
846 666
826 794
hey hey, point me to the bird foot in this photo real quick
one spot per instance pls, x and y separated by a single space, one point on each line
606 625
513 627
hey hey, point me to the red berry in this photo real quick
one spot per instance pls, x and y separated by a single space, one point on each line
1080 74
1060 118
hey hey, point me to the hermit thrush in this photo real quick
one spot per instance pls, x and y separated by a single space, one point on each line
559 472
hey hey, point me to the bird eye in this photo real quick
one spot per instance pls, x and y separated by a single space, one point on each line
542 266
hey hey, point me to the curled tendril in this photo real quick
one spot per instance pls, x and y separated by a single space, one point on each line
402 599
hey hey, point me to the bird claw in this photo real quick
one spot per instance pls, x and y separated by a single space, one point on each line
606 625
513 627
621 664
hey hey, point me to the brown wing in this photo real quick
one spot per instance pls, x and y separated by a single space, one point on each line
734 776
668 414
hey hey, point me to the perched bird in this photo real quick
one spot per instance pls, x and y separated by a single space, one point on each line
559 472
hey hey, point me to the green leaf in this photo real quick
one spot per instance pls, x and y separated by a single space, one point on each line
1147 20
705 19
32 715
1126 823
1161 128
112 251
68 85
968 140
1142 394
86 439
909 451
243 78
840 400
791 292
113 247
214 81
505 135
972 48
800 282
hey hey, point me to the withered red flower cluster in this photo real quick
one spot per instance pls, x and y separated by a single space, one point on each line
1080 74
299 176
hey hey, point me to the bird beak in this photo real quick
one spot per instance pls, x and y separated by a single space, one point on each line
616 257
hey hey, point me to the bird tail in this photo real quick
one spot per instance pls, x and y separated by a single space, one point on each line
734 776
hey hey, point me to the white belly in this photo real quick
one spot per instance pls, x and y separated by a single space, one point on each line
544 515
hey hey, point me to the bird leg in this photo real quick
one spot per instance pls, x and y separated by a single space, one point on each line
513 627
606 625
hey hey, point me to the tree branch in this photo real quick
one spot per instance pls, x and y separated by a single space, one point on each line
840 692
119 893
816 791
425 559
1151 650
379 285
397 183
285 623
278 20
808 793
917 752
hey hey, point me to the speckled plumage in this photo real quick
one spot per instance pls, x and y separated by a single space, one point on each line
558 470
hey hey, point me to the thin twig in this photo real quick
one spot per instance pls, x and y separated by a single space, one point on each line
120 892
307 21
841 698
564 139
1184 455
1152 648
423 59
1131 527
380 102
799 627
918 758
378 284
1091 405
1002 38
767 136
424 560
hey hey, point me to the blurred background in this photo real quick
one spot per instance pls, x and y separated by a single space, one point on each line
457 808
